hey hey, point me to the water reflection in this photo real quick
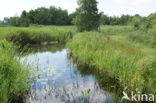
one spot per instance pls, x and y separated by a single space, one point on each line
57 80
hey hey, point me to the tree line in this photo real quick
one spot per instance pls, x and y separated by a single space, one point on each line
41 16
86 17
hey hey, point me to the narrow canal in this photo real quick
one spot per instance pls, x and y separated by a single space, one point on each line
56 79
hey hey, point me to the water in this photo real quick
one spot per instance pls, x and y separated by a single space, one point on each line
56 79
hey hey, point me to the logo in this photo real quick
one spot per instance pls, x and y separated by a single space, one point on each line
138 97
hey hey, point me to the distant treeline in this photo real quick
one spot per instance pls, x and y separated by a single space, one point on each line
42 16
115 20
136 20
58 16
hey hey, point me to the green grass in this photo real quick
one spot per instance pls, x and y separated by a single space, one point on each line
37 34
129 65
147 37
116 30
125 54
13 77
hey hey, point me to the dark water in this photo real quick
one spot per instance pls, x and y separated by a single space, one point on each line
56 79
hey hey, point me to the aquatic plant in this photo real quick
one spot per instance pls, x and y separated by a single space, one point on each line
13 77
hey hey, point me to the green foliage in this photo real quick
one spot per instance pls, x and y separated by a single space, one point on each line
144 23
71 17
116 29
145 38
13 77
37 35
151 19
19 22
119 59
123 20
47 16
136 22
105 20
1 23
87 17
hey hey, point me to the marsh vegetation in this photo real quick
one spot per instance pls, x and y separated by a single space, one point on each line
93 58
116 59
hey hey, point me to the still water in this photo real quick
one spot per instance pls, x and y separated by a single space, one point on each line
56 79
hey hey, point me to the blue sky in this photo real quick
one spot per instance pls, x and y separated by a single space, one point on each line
110 7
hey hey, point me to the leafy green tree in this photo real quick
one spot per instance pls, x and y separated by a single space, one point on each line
31 16
88 17
125 19
24 14
24 22
71 18
137 20
47 16
14 21
6 20
104 19
19 22
41 16
61 17
151 21
1 23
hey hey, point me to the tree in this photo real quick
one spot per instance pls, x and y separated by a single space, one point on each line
19 22
24 14
47 16
150 20
71 18
137 20
6 21
125 19
1 23
104 20
14 21
24 22
88 17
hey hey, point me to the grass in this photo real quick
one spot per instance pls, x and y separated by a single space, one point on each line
133 68
37 34
13 77
146 38
120 52
116 30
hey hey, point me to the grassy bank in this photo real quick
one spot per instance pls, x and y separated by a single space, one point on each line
37 34
145 37
13 77
129 65
120 52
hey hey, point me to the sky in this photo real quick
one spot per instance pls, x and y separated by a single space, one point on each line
110 7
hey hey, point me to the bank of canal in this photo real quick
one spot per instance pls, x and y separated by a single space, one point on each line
56 79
